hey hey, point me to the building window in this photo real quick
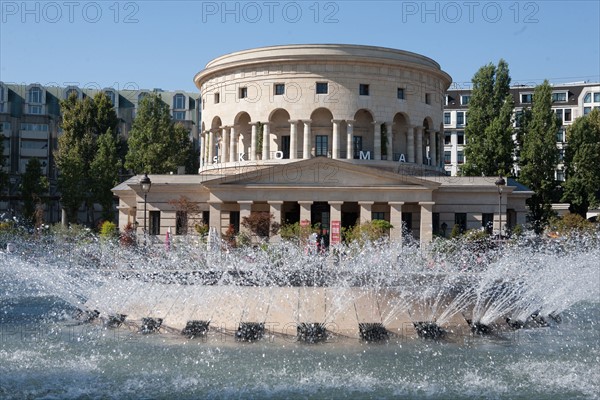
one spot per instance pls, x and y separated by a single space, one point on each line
567 115
217 98
447 157
34 95
357 146
460 157
487 222
460 137
560 135
363 89
587 98
597 97
587 110
464 100
243 92
527 98
179 115
378 215
34 109
460 118
427 98
279 89
400 93
321 145
181 223
111 96
322 88
561 155
460 219
34 127
447 118
154 222
179 102
560 175
559 97
447 137
559 114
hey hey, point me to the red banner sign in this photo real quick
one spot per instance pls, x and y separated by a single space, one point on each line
336 232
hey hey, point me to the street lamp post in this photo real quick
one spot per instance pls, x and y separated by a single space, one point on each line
146 184
500 183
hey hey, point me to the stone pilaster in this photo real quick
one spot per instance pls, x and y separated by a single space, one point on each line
293 139
265 143
377 140
365 211
349 139
426 228
396 220
336 139
307 139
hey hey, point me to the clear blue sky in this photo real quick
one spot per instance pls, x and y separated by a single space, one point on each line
162 44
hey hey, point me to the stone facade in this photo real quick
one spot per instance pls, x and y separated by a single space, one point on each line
327 134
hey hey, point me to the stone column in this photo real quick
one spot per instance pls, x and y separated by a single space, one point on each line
336 139
233 156
293 139
253 141
203 138
426 229
224 156
410 145
390 140
211 146
275 209
433 148
349 139
419 145
377 141
305 213
365 211
265 143
396 220
215 216
335 210
245 210
307 139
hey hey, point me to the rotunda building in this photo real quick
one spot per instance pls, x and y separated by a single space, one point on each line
324 134
345 102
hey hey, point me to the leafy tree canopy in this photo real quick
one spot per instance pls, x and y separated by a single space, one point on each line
156 144
489 148
582 164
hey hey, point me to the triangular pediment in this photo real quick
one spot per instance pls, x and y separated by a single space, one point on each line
318 172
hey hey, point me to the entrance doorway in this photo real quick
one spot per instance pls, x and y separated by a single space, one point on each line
320 214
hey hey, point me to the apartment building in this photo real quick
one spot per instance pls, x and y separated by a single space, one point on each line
570 101
30 127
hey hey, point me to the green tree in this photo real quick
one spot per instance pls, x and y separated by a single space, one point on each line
34 187
104 171
156 144
582 164
539 155
489 148
83 121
